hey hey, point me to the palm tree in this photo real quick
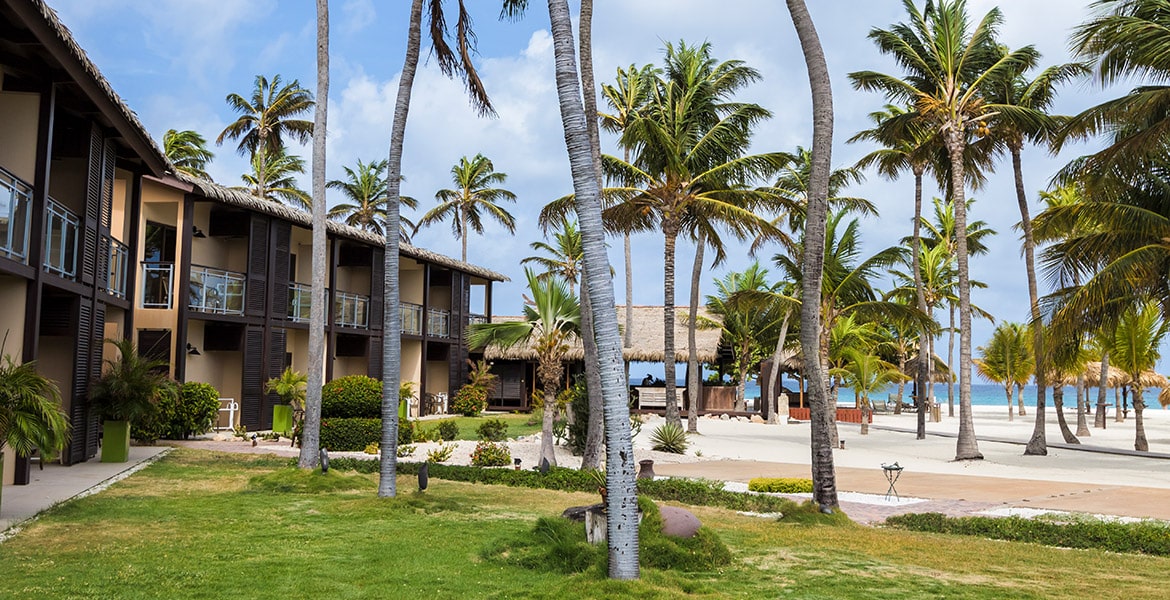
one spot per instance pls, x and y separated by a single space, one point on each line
365 188
866 373
823 474
272 178
1007 359
187 151
948 63
621 503
473 195
552 320
1136 340
266 119
562 259
744 321
31 418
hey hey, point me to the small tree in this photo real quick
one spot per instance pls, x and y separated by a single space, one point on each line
290 387
132 385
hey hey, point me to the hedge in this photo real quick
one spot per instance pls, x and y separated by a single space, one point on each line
350 435
1143 537
354 396
781 485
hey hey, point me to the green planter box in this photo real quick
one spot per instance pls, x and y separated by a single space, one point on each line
282 419
115 441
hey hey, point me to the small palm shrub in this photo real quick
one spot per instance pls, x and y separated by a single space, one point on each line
132 386
491 454
494 430
441 454
669 438
448 431
30 411
470 400
354 396
290 387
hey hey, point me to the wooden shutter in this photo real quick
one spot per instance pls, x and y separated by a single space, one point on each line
253 378
93 425
374 358
377 289
257 266
95 175
79 391
281 238
109 157
276 350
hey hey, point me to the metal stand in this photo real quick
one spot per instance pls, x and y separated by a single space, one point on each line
893 472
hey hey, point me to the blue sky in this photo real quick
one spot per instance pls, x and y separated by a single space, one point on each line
173 61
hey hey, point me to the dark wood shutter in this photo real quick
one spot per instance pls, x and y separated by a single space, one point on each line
109 157
377 289
79 391
93 425
257 267
281 239
374 357
276 349
253 378
95 176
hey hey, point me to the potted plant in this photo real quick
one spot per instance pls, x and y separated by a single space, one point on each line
31 418
290 387
128 391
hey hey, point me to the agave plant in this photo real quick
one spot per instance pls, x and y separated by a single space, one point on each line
669 438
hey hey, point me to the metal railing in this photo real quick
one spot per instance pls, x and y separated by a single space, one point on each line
474 319
15 200
412 319
351 310
300 301
216 291
156 284
61 229
438 323
116 279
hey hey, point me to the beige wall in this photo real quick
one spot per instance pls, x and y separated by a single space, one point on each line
160 204
349 365
120 215
355 280
410 281
18 128
411 362
437 377
301 244
9 465
55 361
440 298
67 183
12 317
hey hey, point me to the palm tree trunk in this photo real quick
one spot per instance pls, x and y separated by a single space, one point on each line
1082 406
923 372
951 363
1011 410
549 371
391 314
621 502
463 231
966 447
901 384
1038 444
694 391
1139 441
595 435
628 340
1058 404
670 230
1119 406
311 434
773 387
930 399
824 475
1102 393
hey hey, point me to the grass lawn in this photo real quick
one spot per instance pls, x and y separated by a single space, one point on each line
517 425
193 526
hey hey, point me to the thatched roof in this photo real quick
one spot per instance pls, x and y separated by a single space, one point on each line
48 30
647 338
247 201
1114 378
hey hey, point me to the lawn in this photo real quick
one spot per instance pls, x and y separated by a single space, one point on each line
517 425
196 525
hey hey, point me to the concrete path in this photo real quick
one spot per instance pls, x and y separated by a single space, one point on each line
56 484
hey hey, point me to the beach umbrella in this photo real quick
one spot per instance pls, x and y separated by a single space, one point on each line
1093 376
1148 379
1164 397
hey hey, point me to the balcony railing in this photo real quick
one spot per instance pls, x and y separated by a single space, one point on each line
476 319
156 284
351 310
216 291
119 263
438 323
412 319
300 300
61 229
15 199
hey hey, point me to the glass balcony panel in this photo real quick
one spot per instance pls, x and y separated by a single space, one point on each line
216 291
15 198
119 255
350 310
438 323
412 318
61 228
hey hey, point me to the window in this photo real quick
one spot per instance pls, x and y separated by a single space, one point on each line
158 265
160 243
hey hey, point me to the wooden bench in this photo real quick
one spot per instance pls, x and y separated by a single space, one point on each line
651 397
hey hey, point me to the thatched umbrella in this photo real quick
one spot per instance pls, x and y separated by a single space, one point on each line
1115 377
1148 379
1164 397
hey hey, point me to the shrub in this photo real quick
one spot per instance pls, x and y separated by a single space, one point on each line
579 428
441 454
448 431
470 400
426 435
354 396
405 432
192 412
372 448
781 485
494 430
404 450
1142 537
491 454
669 438
350 435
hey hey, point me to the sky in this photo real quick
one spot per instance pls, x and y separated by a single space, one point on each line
174 61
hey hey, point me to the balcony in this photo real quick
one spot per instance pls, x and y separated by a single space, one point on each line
119 261
61 229
412 319
156 284
216 291
438 323
476 319
15 199
300 300
351 310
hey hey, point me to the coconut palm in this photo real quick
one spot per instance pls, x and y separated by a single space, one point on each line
31 418
187 151
365 188
473 196
552 321
823 473
562 259
1007 359
745 323
948 61
1139 333
273 178
266 119
865 374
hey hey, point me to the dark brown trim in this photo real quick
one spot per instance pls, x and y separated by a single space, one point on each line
11 267
135 213
36 233
183 293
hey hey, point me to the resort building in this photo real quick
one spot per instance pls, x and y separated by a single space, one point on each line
100 239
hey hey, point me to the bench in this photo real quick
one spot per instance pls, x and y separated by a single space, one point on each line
651 397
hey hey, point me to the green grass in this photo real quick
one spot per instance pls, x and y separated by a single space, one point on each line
205 525
517 425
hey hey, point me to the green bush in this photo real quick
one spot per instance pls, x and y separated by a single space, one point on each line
405 432
350 435
492 430
192 412
578 430
352 397
441 454
491 454
781 485
448 431
470 400
669 438
1143 537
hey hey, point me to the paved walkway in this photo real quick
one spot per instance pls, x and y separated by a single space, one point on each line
56 484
